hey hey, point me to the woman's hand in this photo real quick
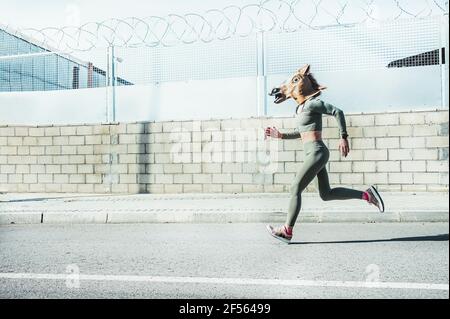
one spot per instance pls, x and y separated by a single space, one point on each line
272 132
344 148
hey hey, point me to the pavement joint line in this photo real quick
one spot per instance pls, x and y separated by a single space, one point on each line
229 281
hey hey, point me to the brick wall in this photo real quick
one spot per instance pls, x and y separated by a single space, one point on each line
396 151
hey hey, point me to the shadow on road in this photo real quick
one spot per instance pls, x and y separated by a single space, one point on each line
441 237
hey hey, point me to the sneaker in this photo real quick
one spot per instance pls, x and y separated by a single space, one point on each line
280 233
375 198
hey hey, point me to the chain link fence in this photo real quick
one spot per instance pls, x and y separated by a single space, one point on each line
264 41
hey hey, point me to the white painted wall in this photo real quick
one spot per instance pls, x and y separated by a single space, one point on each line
206 99
354 92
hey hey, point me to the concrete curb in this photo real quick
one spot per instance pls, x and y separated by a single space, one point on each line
208 216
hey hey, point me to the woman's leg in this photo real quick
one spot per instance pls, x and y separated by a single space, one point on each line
315 159
327 193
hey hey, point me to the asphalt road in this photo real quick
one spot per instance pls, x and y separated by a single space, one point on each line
411 260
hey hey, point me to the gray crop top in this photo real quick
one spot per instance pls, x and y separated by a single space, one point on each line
310 118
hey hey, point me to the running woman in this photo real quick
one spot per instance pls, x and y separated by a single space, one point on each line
304 89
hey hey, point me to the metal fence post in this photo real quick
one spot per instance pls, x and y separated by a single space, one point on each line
261 81
444 55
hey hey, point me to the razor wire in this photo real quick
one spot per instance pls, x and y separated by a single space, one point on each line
231 21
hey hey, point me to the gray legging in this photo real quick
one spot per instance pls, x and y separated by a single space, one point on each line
316 157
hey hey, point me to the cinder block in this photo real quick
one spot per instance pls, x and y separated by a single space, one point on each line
93 140
173 168
425 130
284 178
155 168
84 130
52 131
415 118
100 130
162 158
60 159
20 131
164 179
292 167
211 168
331 132
362 120
45 178
248 188
182 179
32 131
400 130
61 179
76 140
210 125
86 169
169 127
286 156
413 166
212 188
437 141
146 178
85 188
193 188
436 117
352 179
128 178
232 189
45 141
77 179
52 169
426 178
355 132
94 179
425 154
76 159
376 155
30 178
387 119
14 141
375 178
412 142
135 128
242 178
15 178
340 167
53 150
67 169
68 130
221 178
232 167
400 178
136 148
31 141
387 142
154 128
400 154
388 166
437 166
362 143
127 139
365 166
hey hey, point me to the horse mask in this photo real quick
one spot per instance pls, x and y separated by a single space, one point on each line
301 87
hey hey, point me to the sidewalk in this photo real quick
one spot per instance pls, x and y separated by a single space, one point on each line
213 208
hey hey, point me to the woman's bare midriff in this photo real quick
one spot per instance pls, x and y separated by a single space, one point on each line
311 136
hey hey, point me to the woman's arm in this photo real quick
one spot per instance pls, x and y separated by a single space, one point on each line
290 136
273 132
327 108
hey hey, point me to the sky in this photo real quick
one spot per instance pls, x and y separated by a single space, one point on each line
44 13
56 13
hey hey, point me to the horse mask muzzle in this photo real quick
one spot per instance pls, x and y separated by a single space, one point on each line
280 97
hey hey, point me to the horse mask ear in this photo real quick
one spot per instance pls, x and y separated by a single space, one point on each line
305 70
